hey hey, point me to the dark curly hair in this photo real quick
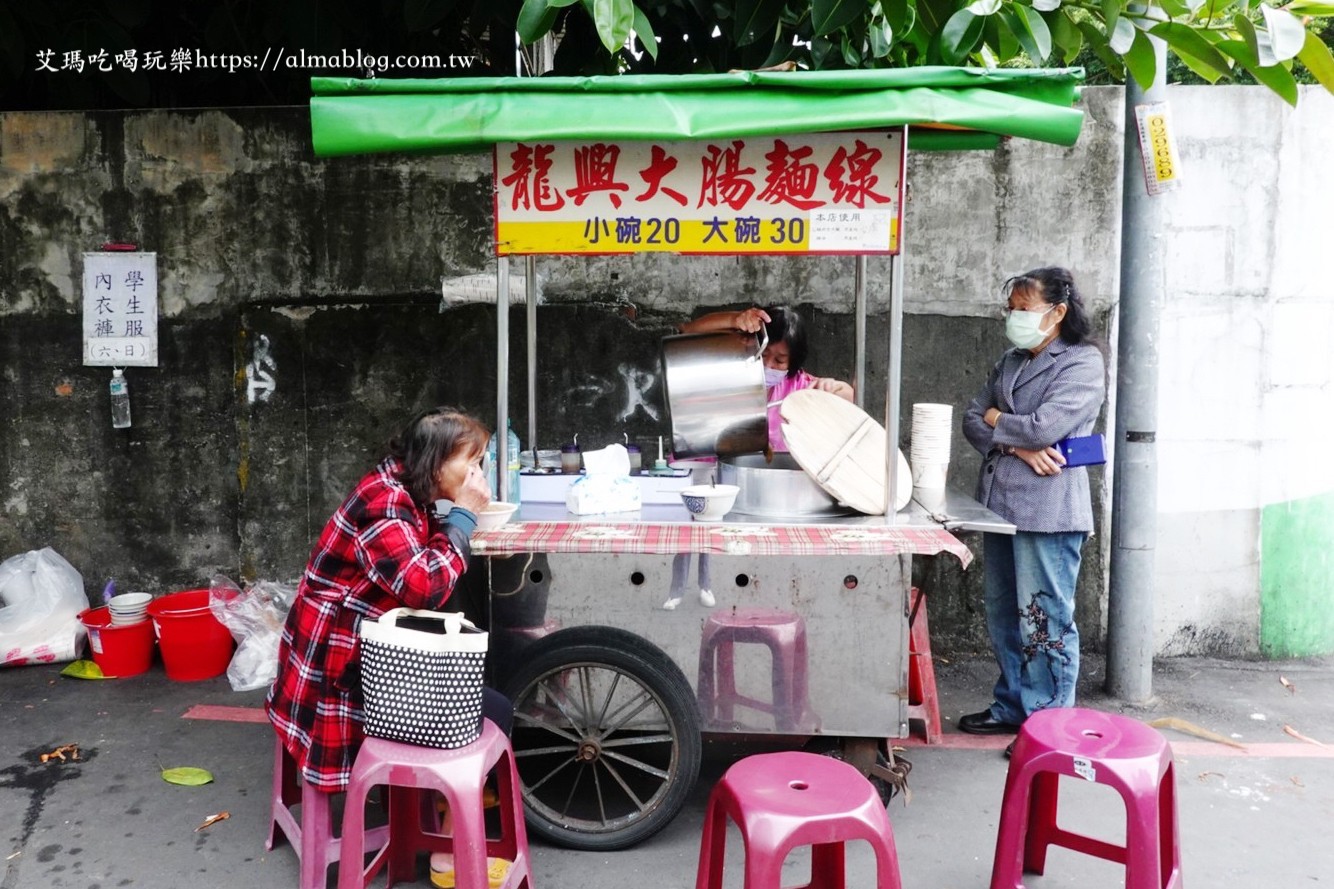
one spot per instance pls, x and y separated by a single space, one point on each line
428 440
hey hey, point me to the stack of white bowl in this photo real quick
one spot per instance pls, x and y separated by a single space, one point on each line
932 429
128 608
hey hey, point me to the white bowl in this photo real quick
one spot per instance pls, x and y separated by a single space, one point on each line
709 503
495 514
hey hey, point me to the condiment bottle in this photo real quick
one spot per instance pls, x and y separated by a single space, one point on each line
636 457
571 458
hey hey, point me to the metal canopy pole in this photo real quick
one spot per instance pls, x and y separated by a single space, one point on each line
502 376
859 344
530 296
893 380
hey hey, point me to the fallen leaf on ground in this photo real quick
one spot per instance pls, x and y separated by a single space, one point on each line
1191 728
1292 689
63 753
1289 730
213 819
187 776
1203 775
84 670
1298 781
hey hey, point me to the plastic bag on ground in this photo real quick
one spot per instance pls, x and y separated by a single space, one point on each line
41 596
255 618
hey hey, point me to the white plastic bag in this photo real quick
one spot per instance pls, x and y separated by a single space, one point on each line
41 596
255 618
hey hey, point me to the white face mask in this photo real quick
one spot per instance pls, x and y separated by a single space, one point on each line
1024 328
773 377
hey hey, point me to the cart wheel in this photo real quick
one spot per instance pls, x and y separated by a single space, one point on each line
606 737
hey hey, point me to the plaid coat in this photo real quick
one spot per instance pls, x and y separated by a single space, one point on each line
378 551
1044 398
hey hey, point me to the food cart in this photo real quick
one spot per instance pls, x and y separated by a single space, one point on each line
806 635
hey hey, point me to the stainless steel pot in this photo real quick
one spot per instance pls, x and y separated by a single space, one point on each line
781 488
715 393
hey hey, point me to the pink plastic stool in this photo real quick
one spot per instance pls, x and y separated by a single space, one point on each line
1104 748
312 837
784 800
410 772
785 635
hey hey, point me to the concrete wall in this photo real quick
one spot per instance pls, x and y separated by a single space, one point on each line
300 320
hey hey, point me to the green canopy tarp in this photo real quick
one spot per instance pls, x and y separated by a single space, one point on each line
945 108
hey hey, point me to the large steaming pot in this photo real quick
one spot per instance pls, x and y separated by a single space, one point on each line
715 393
779 488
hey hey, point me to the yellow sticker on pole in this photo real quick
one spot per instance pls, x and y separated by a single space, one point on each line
1158 148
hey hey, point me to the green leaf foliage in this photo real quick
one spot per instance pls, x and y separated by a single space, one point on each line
614 20
1197 53
755 19
535 19
959 36
827 16
1317 59
644 31
187 776
1287 35
1276 77
1140 60
84 670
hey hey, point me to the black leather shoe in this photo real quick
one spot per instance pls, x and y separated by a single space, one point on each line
983 724
1009 750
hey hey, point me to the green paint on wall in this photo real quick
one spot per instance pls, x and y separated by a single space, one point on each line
1297 577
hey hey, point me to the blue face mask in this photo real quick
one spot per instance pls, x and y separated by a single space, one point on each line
773 377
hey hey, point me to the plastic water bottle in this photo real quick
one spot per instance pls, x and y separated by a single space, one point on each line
512 463
120 400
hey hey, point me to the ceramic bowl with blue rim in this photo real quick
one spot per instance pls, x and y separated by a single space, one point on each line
709 503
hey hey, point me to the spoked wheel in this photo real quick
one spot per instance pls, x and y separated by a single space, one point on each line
606 737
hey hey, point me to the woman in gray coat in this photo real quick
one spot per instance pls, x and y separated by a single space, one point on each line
1050 386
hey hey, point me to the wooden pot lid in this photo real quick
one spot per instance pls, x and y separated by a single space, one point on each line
843 449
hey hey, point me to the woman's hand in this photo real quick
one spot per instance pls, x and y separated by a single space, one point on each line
474 493
751 320
834 387
1044 461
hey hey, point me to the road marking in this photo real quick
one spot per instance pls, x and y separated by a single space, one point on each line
219 713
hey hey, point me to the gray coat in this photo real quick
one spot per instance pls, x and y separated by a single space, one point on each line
1044 398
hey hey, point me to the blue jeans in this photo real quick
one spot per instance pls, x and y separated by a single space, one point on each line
1029 582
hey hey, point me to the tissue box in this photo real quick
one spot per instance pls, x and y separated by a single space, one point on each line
603 493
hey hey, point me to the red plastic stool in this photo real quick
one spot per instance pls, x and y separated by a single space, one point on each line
784 800
1105 748
922 701
785 635
312 837
410 772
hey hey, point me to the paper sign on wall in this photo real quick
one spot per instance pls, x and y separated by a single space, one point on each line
120 309
1158 148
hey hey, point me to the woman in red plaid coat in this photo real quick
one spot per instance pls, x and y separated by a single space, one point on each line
386 547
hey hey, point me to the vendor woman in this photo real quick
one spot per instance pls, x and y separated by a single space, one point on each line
386 547
784 357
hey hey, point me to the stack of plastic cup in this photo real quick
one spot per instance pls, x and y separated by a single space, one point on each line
932 429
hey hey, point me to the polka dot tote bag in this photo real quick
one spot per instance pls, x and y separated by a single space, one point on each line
421 674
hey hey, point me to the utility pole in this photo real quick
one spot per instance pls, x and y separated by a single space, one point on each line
1130 598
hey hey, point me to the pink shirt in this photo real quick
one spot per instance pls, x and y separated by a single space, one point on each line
789 385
